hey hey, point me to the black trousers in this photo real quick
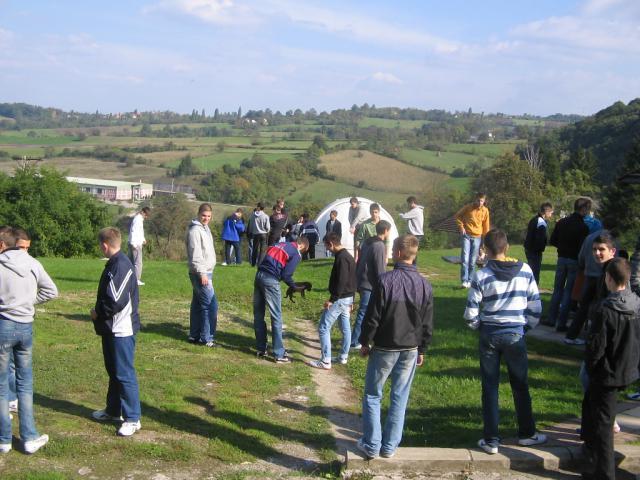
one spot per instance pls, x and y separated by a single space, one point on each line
258 247
586 299
598 415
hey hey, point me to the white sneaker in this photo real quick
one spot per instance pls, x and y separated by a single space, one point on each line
574 341
224 264
340 360
356 346
466 284
320 364
13 406
489 448
129 428
5 447
536 439
140 283
32 446
103 416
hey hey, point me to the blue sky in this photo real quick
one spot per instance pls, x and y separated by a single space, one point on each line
534 56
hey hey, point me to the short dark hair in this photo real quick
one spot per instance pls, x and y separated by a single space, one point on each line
146 210
305 216
21 234
406 246
260 206
354 200
333 238
411 199
382 226
496 241
333 211
374 206
582 203
619 271
8 236
606 238
545 207
111 236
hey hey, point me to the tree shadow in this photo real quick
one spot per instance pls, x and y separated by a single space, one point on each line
76 317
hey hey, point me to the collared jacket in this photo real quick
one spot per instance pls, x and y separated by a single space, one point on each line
200 251
536 239
232 228
117 301
568 236
281 261
400 312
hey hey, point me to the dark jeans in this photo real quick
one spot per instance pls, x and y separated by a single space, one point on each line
259 248
123 395
534 259
566 272
236 250
598 415
513 348
419 237
587 297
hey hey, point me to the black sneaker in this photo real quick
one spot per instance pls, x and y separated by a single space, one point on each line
261 354
192 340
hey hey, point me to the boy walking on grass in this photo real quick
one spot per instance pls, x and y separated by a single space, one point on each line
612 355
115 319
342 288
503 303
396 332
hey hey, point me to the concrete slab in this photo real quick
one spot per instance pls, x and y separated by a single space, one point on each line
634 411
628 422
536 458
409 459
483 462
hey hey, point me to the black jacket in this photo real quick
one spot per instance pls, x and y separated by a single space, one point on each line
536 240
337 227
117 302
568 236
400 312
342 282
613 348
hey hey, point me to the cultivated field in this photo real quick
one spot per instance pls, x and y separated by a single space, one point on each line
379 173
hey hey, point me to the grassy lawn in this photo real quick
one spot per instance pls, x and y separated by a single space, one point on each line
486 149
447 161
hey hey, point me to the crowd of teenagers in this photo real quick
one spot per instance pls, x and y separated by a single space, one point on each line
594 297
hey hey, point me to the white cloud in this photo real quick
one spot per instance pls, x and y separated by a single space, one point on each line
217 12
386 78
5 37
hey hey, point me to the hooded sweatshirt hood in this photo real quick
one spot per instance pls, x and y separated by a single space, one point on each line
623 301
505 270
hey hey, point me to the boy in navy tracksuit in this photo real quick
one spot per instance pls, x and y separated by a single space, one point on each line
115 319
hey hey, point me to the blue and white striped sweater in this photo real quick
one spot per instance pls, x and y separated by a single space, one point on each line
499 301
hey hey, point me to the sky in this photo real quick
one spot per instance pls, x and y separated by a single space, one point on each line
525 56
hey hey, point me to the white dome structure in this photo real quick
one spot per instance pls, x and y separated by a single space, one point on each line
342 205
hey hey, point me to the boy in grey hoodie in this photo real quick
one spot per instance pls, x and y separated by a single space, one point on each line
259 226
23 283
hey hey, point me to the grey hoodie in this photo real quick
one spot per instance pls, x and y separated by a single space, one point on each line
200 251
259 223
23 283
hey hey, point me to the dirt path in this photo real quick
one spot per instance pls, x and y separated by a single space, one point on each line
334 389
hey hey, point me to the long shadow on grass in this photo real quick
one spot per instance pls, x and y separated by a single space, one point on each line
77 317
63 406
348 424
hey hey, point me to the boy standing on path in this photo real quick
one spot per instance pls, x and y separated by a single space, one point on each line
115 319
342 288
23 283
473 223
137 240
503 303
279 264
396 331
612 355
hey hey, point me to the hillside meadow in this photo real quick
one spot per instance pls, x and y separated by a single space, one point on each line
224 410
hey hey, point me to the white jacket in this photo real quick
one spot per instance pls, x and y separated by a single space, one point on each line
200 250
136 231
415 220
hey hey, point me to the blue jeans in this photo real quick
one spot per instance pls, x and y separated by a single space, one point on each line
12 378
266 293
339 310
203 317
534 259
365 296
566 271
17 338
236 249
123 395
468 256
513 348
401 366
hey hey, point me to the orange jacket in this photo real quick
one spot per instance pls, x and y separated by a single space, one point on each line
474 220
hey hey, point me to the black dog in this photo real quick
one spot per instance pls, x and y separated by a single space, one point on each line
299 287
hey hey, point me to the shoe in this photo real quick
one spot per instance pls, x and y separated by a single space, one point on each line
387 454
357 346
224 264
634 395
13 406
536 439
574 341
129 428
465 285
32 446
320 364
362 448
261 354
192 340
5 447
616 427
284 359
209 344
562 329
140 283
340 360
103 416
489 448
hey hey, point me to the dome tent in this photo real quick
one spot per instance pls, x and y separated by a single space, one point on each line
341 205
